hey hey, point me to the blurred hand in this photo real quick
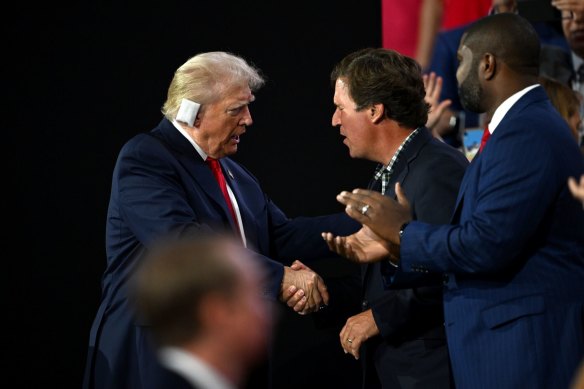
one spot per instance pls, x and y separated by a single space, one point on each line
433 86
576 188
302 289
364 246
384 217
357 330
569 5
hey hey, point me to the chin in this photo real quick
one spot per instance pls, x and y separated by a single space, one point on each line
230 151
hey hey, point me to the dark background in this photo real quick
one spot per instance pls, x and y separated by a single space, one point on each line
81 79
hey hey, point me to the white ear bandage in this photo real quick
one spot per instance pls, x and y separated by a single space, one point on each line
187 112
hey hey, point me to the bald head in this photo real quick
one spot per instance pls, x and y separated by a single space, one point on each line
509 37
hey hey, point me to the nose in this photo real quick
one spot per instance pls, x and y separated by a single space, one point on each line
246 119
336 119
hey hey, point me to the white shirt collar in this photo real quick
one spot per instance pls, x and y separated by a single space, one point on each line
193 369
186 135
505 106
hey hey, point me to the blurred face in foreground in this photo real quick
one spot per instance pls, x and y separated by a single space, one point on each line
246 323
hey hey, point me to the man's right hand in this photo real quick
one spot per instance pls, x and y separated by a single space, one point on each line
302 289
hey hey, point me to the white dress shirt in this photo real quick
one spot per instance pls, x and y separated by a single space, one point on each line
193 369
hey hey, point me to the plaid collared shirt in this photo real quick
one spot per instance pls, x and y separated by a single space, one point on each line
384 172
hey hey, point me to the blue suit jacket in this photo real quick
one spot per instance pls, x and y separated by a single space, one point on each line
513 256
162 186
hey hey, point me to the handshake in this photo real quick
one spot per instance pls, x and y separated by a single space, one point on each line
302 289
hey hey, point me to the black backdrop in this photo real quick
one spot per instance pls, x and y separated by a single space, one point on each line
81 79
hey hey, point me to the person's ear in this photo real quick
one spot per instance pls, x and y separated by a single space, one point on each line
376 112
488 66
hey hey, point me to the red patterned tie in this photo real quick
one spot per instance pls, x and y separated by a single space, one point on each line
486 135
218 173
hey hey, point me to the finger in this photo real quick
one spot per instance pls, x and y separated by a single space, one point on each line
295 298
401 195
340 245
371 197
355 348
330 241
300 306
347 198
315 299
350 253
343 247
435 87
297 265
355 213
336 246
323 290
361 196
288 293
443 105
343 339
301 265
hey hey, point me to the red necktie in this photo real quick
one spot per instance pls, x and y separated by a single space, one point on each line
486 135
218 173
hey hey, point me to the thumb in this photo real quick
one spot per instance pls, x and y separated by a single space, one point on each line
401 196
297 265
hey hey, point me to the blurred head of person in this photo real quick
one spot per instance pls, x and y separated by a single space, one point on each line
204 296
500 6
573 28
373 88
566 101
223 85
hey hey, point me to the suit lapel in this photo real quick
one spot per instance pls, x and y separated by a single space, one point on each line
193 163
401 170
536 94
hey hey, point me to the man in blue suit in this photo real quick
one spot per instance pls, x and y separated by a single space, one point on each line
512 258
178 180
555 53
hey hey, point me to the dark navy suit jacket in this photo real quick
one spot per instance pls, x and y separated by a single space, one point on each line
513 255
411 349
162 186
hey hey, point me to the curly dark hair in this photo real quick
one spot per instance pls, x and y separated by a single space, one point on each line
377 75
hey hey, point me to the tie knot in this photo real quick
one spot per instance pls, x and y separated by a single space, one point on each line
213 163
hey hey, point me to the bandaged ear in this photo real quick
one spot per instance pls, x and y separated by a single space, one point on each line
187 113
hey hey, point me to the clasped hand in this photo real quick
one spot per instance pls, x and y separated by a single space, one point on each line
302 289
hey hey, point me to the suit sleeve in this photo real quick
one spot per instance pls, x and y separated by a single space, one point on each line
514 186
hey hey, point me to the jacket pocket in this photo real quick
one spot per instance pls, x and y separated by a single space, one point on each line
508 311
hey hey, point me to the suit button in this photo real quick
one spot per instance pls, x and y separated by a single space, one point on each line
365 305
